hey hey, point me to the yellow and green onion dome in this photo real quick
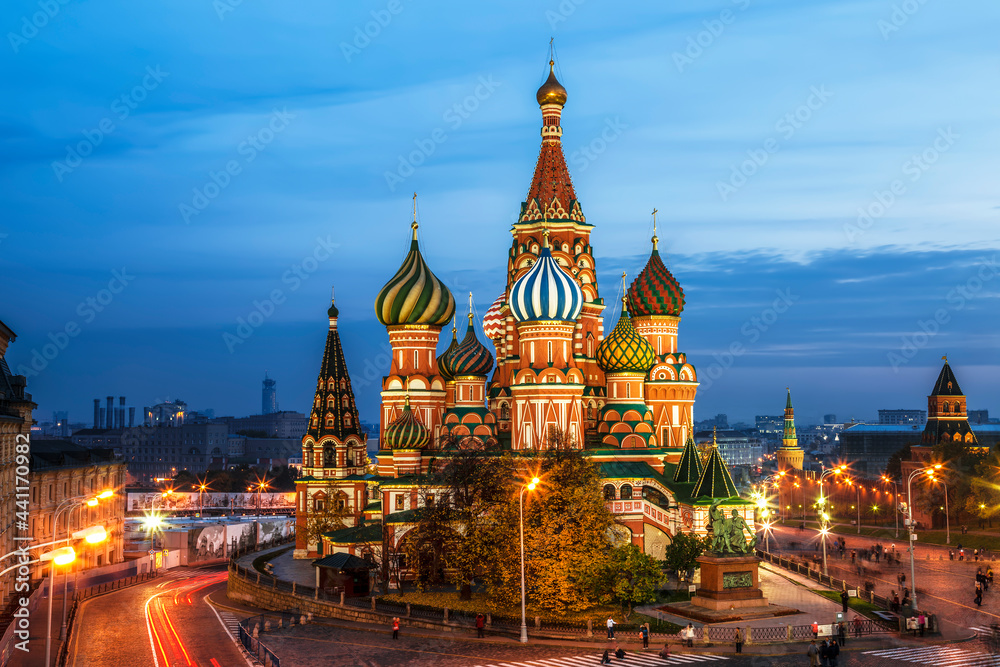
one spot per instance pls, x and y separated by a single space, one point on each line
624 350
414 295
406 431
655 291
442 368
546 292
470 357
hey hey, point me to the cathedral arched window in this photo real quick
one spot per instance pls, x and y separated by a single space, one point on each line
319 502
626 492
944 407
591 412
504 411
609 491
348 422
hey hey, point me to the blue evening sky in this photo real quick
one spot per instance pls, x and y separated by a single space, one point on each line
838 159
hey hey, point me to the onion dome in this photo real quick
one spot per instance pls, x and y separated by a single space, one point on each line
546 292
406 431
655 291
442 368
624 350
414 295
470 357
551 92
492 321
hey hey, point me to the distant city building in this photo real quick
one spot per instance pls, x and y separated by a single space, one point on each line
283 424
737 448
163 451
113 417
904 417
770 425
720 421
261 452
16 407
60 471
168 413
830 419
979 417
97 437
268 396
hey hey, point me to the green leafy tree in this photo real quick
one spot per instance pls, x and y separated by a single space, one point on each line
628 577
681 555
428 545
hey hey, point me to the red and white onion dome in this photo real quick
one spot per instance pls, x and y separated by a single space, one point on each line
492 321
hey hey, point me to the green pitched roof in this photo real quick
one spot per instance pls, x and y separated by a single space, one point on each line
366 532
689 468
715 480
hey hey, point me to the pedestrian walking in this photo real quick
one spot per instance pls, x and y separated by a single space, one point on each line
921 623
831 654
689 635
480 626
606 658
739 641
841 634
644 632
620 653
857 627
824 654
611 628
815 629
665 651
813 653
844 597
395 628
989 574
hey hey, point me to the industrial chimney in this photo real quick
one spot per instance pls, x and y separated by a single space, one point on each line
121 412
110 413
100 421
131 417
97 413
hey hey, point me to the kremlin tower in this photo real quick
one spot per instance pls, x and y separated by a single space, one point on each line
790 455
947 418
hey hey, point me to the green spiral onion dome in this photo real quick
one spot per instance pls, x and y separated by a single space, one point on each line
406 431
624 350
470 357
655 291
442 368
414 295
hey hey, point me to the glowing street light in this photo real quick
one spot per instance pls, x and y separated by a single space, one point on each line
530 486
929 471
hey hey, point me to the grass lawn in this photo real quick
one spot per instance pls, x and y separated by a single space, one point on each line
479 604
857 604
888 534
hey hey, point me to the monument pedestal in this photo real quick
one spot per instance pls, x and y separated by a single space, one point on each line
729 582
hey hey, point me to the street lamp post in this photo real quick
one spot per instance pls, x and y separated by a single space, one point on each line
93 502
823 515
895 499
530 486
947 519
929 471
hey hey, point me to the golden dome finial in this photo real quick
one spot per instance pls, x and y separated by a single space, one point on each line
655 239
470 309
551 92
414 225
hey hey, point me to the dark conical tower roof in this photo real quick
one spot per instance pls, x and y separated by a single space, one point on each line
715 481
334 413
946 384
689 468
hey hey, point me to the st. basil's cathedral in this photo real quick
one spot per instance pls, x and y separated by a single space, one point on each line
626 399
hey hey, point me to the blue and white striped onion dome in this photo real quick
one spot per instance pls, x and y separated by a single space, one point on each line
546 292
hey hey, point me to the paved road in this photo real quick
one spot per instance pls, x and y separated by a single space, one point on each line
944 587
162 623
